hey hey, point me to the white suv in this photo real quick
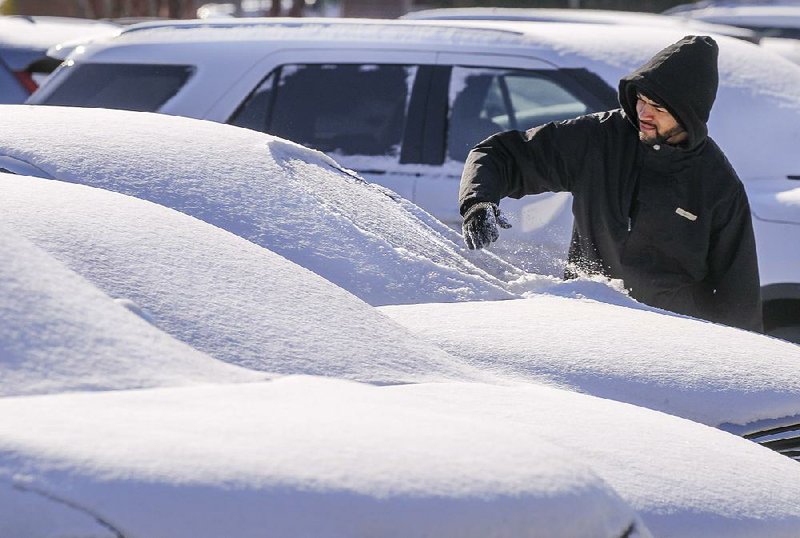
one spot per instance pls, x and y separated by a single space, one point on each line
402 102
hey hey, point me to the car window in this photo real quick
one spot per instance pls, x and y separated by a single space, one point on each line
484 101
120 86
347 109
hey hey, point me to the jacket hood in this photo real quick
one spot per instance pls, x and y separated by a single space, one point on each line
684 78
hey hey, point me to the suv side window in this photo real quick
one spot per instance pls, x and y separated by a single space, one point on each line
484 101
345 109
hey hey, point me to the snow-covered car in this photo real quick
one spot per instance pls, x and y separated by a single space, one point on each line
402 102
306 456
313 457
61 333
24 42
223 295
269 191
692 370
298 203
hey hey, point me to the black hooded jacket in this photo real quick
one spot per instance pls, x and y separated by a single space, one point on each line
673 222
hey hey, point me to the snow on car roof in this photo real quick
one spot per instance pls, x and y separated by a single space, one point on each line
595 16
299 456
60 333
277 194
223 295
697 370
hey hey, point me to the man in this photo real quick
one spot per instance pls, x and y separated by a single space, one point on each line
656 203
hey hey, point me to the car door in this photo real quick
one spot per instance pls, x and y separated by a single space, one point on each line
352 104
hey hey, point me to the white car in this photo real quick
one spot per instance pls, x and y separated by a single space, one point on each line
317 457
777 24
584 16
749 387
309 456
269 191
24 42
766 19
222 295
774 40
402 102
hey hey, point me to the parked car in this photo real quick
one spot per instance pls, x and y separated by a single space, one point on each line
272 192
765 19
24 42
584 16
306 456
776 24
749 388
787 47
402 102
222 295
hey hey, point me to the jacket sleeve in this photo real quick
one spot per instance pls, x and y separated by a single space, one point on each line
733 267
515 163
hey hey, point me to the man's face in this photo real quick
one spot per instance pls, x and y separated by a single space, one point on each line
656 124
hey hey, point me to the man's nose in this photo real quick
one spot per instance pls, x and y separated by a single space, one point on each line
644 110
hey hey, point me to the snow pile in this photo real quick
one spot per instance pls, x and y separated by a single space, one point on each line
60 333
221 294
298 457
279 195
317 456
697 370
790 198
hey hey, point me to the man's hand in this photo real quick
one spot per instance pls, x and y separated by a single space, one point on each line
480 225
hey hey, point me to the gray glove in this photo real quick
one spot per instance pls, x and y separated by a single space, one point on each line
480 225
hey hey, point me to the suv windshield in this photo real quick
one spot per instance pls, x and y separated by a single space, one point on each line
122 86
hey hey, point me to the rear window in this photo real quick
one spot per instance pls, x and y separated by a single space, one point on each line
142 88
347 109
